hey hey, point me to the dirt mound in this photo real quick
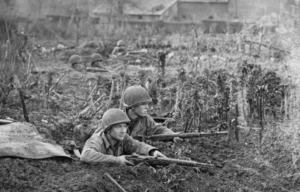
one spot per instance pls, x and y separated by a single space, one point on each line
232 172
50 175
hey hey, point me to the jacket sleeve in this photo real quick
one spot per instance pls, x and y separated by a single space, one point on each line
115 51
133 146
154 128
91 152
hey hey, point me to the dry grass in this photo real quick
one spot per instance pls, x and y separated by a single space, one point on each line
13 61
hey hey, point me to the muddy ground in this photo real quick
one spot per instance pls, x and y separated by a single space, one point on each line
237 165
234 171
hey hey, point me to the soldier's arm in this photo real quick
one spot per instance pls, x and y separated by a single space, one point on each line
154 128
133 146
115 51
91 153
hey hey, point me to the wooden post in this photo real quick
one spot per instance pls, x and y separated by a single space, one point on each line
261 109
236 129
114 181
19 88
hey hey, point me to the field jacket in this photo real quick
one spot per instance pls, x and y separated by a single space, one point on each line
146 126
97 149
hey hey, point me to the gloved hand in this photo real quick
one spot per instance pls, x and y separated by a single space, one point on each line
177 139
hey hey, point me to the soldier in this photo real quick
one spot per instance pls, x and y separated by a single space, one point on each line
136 100
96 60
120 49
111 143
75 60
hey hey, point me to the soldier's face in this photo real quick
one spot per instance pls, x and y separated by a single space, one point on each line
118 131
142 110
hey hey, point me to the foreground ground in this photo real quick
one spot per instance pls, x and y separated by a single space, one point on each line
234 171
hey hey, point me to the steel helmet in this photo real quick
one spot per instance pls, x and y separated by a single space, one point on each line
135 95
120 43
114 116
75 59
96 57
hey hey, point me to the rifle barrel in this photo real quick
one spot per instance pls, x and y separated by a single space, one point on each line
184 135
166 161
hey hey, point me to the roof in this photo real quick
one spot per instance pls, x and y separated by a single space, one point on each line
138 7
204 1
148 7
103 8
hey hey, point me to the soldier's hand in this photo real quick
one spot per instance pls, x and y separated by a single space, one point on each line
124 161
177 140
158 154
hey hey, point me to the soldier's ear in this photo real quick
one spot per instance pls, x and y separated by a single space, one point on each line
131 108
108 130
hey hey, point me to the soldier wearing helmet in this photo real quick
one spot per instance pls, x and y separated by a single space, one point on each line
120 49
96 60
75 60
136 100
111 143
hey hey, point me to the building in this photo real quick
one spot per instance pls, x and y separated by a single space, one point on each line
143 11
151 10
251 10
294 8
199 10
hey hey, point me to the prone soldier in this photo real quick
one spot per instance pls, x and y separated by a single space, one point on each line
75 61
120 49
136 100
111 143
96 60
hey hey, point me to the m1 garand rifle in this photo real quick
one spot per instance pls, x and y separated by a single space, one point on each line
168 137
150 160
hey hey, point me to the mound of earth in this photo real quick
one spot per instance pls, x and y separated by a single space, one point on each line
227 175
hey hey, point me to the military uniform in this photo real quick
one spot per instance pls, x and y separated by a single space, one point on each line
95 58
97 149
75 60
119 49
146 126
142 125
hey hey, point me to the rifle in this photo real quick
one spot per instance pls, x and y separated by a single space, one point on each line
167 137
150 160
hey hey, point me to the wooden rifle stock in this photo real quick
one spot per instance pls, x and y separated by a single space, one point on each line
150 160
167 137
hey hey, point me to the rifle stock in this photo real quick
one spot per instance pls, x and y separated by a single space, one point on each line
167 137
150 160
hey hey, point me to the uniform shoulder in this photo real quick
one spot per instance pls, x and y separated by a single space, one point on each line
96 137
148 117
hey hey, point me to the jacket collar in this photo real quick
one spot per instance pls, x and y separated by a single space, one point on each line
106 142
